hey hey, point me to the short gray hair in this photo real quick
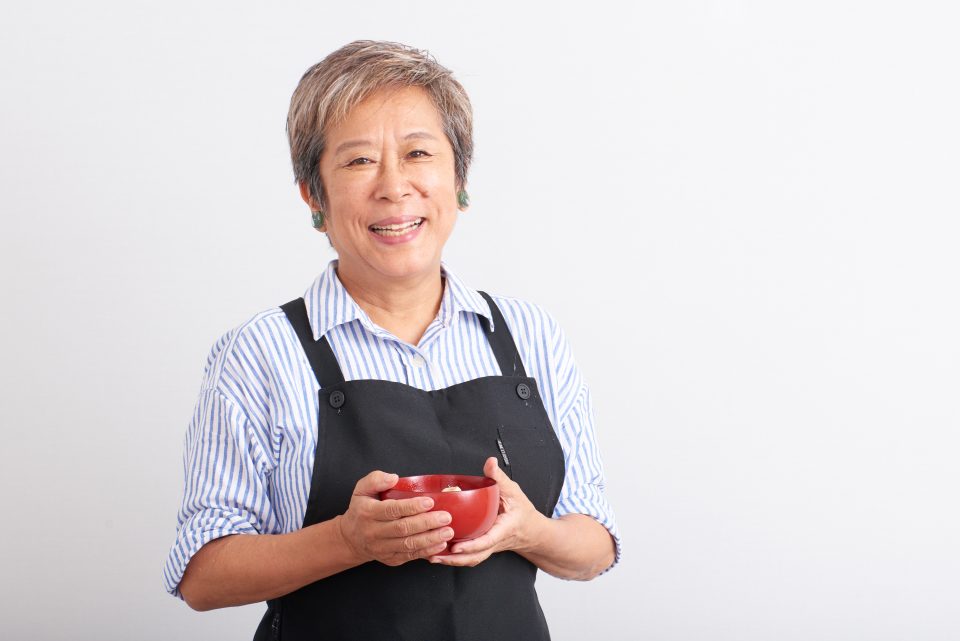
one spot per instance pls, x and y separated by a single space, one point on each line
335 85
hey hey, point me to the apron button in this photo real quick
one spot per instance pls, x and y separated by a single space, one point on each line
337 399
523 391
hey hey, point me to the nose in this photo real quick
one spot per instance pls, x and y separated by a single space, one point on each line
392 183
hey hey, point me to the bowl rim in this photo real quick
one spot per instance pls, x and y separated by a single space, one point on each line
485 482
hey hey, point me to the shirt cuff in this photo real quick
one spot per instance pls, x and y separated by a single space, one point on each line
589 500
197 531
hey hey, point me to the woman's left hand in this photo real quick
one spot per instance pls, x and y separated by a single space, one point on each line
515 528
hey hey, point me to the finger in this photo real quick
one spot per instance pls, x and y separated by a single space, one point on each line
433 550
393 509
374 483
421 544
472 547
402 557
508 487
417 524
461 560
491 469
487 541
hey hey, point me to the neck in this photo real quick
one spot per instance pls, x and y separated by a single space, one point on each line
404 307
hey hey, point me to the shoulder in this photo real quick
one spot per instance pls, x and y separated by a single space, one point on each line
525 320
545 352
530 324
538 338
243 351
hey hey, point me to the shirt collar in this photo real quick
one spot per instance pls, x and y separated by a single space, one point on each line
457 298
329 305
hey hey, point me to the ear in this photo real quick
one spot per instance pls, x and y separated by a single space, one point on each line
305 194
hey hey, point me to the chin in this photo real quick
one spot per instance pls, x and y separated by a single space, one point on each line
407 266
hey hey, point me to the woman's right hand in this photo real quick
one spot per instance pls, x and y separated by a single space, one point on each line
392 531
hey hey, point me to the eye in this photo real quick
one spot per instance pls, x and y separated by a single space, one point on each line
359 161
419 153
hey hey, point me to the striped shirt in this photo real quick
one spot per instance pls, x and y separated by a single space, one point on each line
249 448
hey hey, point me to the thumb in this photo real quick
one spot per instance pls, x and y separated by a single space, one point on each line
491 469
374 483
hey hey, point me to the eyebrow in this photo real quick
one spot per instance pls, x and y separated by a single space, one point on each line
414 135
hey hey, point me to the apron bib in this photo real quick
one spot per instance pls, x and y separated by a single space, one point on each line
372 424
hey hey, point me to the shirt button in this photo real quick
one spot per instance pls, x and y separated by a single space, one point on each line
523 391
337 399
418 362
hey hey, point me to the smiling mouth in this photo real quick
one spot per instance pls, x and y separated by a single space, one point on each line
396 230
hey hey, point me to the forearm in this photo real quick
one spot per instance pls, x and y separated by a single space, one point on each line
574 546
242 569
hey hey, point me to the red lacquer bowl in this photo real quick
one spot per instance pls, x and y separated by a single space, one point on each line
473 509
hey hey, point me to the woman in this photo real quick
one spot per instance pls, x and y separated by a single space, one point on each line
388 366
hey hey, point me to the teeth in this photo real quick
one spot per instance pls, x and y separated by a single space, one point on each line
396 230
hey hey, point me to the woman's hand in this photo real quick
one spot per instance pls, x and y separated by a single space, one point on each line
516 527
573 546
392 531
241 569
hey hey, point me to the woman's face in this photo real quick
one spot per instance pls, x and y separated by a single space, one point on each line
388 174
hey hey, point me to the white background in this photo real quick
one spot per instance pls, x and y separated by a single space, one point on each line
743 213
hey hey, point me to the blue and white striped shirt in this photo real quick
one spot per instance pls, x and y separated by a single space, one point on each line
249 448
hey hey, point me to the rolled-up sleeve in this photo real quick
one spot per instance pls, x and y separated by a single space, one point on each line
583 486
225 482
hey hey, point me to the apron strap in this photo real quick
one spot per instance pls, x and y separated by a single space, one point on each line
327 369
324 363
504 347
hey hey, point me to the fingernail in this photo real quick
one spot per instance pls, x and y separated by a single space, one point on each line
448 533
426 503
445 518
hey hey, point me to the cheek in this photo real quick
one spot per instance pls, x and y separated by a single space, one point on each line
436 178
342 190
445 197
346 198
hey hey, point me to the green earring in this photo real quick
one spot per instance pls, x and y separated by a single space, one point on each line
317 218
463 200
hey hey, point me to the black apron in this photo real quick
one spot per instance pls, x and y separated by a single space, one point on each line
370 424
